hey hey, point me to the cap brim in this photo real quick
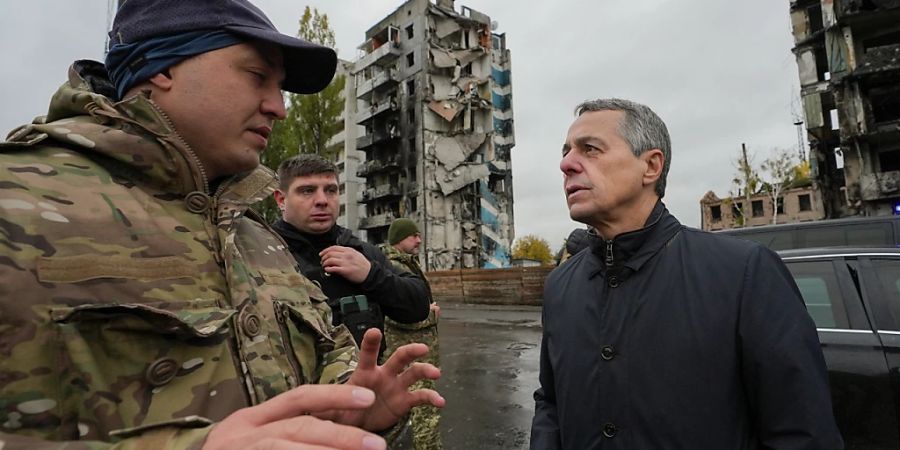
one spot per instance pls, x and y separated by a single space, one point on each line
308 67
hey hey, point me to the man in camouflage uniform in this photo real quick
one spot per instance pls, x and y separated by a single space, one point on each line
143 305
402 249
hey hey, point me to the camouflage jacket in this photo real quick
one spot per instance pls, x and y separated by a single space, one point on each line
136 307
410 264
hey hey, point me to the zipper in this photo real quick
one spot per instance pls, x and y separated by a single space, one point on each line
281 315
609 253
204 181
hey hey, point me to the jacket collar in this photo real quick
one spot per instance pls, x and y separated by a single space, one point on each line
133 134
634 248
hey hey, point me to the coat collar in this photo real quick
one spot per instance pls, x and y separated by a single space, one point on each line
634 248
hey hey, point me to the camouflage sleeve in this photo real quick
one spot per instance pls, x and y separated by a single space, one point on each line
168 438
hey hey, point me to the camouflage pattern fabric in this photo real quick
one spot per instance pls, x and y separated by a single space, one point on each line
137 308
426 434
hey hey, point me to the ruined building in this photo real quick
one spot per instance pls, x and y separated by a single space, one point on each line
848 53
434 98
799 204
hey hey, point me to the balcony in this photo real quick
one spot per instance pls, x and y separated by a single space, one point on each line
375 110
382 56
381 220
385 190
384 80
377 165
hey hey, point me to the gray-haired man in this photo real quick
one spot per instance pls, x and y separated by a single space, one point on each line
662 336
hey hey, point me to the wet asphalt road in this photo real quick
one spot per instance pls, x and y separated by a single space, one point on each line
489 361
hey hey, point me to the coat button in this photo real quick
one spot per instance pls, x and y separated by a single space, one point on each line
250 323
607 352
613 281
610 430
161 371
197 202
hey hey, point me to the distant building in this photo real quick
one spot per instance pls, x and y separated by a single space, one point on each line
435 103
801 204
848 54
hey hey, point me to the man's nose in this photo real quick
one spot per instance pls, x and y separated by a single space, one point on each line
273 104
569 163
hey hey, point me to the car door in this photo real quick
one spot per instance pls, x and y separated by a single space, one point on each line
857 370
880 285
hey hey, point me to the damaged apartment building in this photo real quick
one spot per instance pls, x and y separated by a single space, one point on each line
848 53
434 100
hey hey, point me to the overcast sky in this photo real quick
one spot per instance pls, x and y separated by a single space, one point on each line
719 73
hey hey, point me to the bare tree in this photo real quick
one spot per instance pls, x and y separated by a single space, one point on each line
779 172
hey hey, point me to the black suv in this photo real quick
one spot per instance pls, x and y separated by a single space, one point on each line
853 295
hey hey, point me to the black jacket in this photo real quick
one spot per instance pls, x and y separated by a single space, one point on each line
401 296
673 338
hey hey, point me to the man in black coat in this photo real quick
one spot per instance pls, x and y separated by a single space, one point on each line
361 284
662 336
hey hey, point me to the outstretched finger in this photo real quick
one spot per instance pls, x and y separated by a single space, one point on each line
421 397
309 399
368 349
418 371
404 356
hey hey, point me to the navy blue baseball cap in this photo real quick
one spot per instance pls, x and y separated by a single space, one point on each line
308 67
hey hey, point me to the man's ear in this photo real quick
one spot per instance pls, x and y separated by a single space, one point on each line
162 80
279 198
655 162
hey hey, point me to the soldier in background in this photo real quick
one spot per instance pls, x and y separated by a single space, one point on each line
402 250
142 303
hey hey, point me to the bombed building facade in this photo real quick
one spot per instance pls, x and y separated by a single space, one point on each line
434 102
848 53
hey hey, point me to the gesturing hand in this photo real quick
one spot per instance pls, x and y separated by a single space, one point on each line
294 419
346 262
391 383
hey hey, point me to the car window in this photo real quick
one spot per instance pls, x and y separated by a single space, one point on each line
887 276
820 290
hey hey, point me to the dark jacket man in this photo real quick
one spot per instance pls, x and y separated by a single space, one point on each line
359 281
660 336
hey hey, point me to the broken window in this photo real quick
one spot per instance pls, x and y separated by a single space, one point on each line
814 13
805 204
409 32
413 204
885 103
757 206
884 40
889 160
410 59
411 116
736 209
716 212
411 87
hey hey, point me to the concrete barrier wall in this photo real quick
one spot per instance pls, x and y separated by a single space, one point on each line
513 286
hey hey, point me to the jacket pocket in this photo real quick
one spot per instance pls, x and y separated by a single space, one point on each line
305 336
132 366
